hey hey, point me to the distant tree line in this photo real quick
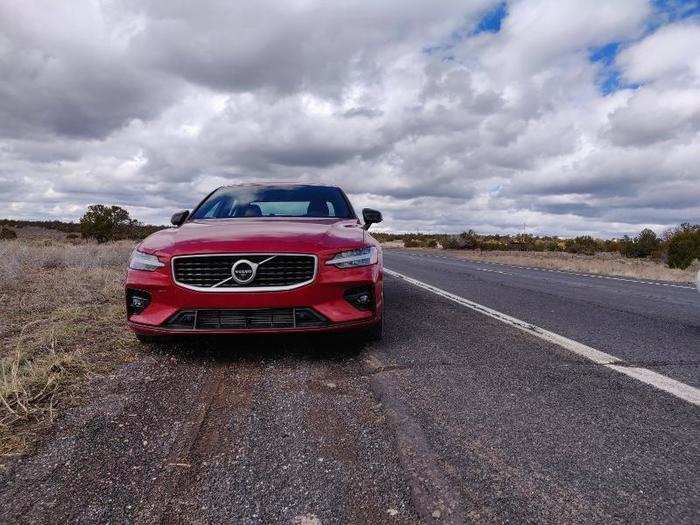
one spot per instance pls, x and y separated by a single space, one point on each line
101 223
678 247
67 227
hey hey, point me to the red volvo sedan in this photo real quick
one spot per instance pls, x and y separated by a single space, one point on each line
259 258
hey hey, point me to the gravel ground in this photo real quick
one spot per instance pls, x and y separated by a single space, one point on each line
244 430
453 418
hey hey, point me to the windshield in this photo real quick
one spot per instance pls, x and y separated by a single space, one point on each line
275 201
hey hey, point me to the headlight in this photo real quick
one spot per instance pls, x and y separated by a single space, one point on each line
144 261
353 258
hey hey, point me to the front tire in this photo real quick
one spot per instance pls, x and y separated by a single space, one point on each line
148 339
374 333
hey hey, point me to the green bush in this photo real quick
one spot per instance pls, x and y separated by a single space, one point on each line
584 244
646 244
105 223
539 246
683 246
492 245
420 242
411 242
452 243
385 237
468 240
611 245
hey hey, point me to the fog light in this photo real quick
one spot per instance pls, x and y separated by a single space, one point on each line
360 298
139 303
136 301
307 317
186 319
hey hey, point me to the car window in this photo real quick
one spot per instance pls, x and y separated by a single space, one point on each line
283 208
275 201
214 209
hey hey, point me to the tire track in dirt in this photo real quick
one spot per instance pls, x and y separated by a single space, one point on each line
319 446
220 439
180 451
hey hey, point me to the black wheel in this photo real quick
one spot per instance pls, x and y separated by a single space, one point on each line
374 333
148 339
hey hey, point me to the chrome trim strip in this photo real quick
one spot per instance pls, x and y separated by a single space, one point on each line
217 284
242 289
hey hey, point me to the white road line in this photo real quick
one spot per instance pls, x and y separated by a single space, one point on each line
660 381
566 272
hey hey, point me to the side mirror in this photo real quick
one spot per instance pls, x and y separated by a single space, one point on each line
178 218
370 217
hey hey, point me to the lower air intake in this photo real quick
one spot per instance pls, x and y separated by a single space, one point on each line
269 318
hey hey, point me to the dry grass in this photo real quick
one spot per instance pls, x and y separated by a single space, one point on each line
61 320
38 233
600 264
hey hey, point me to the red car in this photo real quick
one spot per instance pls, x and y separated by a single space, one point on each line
259 258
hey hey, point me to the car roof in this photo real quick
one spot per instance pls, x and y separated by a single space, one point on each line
279 183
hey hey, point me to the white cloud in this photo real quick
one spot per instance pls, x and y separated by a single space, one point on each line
150 105
670 54
653 115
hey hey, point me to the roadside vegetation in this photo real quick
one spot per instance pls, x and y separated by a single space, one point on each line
100 223
673 256
62 320
62 317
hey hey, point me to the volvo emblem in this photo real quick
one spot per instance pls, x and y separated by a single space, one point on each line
243 271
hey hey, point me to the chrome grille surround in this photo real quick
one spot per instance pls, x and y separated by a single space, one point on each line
258 283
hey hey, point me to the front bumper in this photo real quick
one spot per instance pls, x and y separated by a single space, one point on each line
325 295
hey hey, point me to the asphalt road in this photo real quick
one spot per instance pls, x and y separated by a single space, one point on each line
646 323
455 417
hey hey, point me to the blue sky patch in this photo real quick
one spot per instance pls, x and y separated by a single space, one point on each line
665 12
491 21
675 10
609 78
604 54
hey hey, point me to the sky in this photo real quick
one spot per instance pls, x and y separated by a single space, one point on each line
561 117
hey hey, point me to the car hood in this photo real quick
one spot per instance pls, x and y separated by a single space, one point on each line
256 235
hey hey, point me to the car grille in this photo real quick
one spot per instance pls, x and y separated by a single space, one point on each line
214 271
275 318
